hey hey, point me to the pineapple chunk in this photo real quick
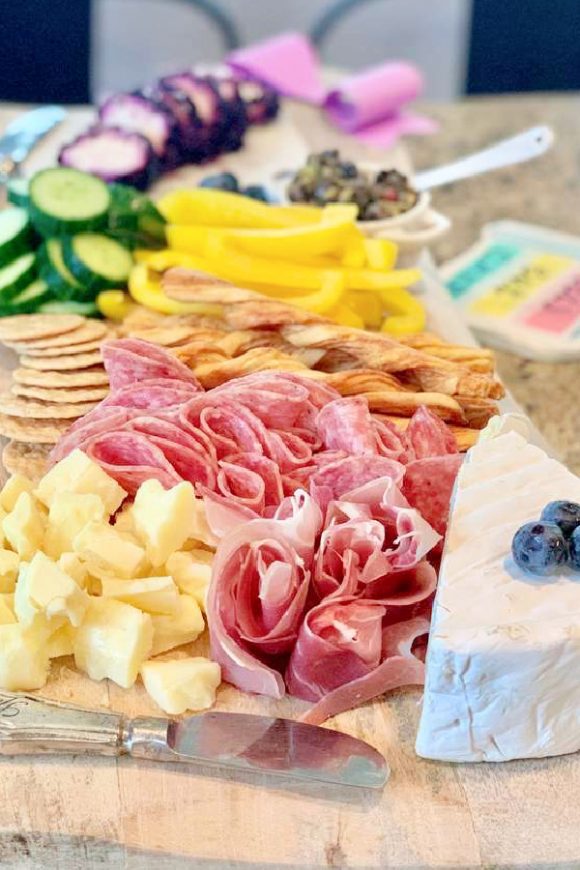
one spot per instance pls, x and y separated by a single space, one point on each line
113 641
24 526
163 518
68 515
77 473
106 551
61 642
185 684
9 563
191 571
183 626
153 594
72 565
11 490
24 661
44 589
7 614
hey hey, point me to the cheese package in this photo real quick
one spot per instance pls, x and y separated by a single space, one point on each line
504 648
519 290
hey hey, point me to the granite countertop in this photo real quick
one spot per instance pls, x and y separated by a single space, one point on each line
546 192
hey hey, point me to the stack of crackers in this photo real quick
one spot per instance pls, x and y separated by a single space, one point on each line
59 378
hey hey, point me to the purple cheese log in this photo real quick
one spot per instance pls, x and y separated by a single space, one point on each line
139 114
262 103
208 106
189 131
235 121
114 155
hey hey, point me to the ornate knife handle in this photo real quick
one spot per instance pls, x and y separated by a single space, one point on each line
34 726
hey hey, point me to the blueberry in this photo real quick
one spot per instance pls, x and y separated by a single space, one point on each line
575 549
221 181
256 191
539 548
565 514
348 170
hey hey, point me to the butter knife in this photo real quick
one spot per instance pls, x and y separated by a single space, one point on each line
239 741
22 134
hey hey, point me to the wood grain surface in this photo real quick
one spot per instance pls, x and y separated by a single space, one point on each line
79 812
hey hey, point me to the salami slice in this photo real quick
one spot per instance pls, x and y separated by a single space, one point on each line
346 424
427 435
131 459
428 484
152 395
332 481
130 360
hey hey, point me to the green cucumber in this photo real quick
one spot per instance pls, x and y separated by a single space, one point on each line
96 261
15 234
54 271
16 276
134 219
28 300
57 306
64 201
18 192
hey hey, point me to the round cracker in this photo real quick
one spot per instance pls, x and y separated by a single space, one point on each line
31 460
48 352
14 406
89 330
91 377
62 363
66 396
28 327
33 431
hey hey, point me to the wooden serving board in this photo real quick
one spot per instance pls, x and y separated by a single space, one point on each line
81 812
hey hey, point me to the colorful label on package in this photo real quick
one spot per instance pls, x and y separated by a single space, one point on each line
521 284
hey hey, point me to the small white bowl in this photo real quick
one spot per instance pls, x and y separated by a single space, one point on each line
412 230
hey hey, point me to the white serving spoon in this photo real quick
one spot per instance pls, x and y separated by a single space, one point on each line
517 149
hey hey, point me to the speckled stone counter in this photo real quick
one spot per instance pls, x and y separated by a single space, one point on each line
545 191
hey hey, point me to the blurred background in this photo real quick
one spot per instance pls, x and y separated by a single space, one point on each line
77 50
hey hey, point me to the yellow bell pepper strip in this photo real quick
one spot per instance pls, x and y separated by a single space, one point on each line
145 288
367 304
407 313
339 211
294 243
159 261
325 299
354 254
381 253
219 208
114 304
367 279
242 269
344 315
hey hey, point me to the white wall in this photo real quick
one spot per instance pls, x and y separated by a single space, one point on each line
134 40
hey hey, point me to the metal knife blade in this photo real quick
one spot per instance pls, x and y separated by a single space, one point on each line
278 746
27 129
30 725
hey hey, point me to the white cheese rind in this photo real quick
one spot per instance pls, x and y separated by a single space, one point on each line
504 650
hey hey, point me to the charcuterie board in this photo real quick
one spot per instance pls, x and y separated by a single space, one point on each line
72 812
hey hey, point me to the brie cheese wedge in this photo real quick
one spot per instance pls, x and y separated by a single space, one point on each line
503 660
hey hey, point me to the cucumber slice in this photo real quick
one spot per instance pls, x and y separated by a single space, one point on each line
16 276
65 201
15 234
134 219
18 192
28 300
55 306
97 262
54 271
